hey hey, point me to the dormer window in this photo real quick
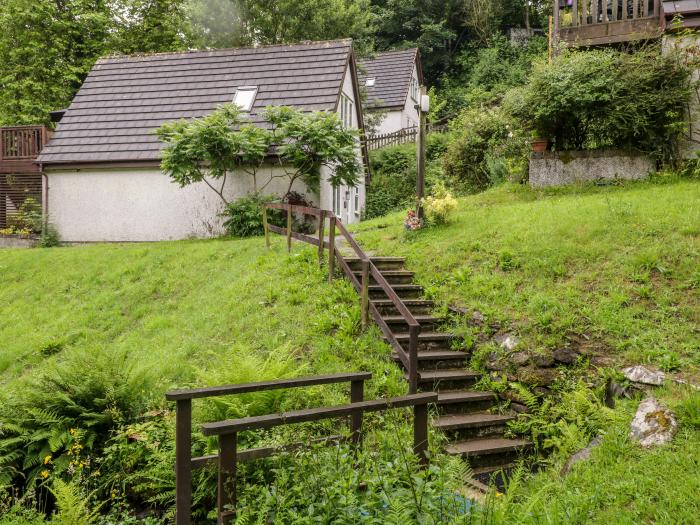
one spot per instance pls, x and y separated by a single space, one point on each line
370 81
244 97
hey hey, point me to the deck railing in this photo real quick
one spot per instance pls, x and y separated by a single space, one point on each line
22 142
591 22
409 358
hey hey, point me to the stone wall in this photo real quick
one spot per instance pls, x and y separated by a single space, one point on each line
559 168
15 241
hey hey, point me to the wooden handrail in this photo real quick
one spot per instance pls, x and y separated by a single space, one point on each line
297 382
408 358
293 417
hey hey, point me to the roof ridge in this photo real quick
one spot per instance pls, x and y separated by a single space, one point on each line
218 49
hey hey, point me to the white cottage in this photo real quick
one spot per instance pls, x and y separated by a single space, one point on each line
102 167
392 81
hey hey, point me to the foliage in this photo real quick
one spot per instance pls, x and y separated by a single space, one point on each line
28 217
224 143
47 47
486 149
72 506
244 215
609 99
51 424
439 206
49 236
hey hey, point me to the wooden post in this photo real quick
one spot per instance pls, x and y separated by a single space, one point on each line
574 13
420 433
3 203
265 228
226 495
289 228
420 141
331 247
364 304
657 8
413 359
183 462
321 238
356 396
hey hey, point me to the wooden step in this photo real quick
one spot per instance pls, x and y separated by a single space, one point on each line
486 447
421 318
391 276
465 401
471 426
449 379
435 359
382 263
416 306
427 341
404 291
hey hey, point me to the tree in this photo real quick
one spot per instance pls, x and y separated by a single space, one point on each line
283 21
223 143
151 26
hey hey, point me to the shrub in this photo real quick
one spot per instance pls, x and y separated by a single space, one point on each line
439 206
485 148
243 217
609 99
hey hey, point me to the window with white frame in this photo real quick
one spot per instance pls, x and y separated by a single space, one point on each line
414 89
346 110
244 97
356 200
370 81
337 200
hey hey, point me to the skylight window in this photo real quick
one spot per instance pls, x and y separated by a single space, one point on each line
370 82
244 97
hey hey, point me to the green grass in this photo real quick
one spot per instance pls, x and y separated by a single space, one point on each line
184 310
612 271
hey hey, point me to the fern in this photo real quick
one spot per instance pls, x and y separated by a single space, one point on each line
72 507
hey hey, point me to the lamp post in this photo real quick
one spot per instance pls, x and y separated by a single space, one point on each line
423 107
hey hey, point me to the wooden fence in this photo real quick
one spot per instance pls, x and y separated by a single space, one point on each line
409 358
402 136
229 456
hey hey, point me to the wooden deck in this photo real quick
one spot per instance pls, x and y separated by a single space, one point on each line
20 175
601 22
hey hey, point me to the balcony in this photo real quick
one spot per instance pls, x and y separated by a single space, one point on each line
600 22
20 175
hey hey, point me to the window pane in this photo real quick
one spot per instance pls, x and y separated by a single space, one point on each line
244 98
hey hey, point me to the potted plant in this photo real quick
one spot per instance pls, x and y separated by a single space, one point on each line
539 144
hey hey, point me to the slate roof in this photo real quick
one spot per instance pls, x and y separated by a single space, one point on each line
392 72
124 99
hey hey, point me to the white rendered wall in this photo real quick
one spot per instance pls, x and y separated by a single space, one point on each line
143 204
349 213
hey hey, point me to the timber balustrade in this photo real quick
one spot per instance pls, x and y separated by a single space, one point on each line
369 270
229 456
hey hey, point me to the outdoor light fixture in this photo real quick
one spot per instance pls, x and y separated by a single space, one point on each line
425 103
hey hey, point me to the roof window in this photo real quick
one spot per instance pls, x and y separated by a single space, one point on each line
244 97
370 81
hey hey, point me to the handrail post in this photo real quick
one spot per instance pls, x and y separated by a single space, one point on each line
420 433
226 495
265 227
321 239
183 462
357 392
289 228
331 247
365 294
413 359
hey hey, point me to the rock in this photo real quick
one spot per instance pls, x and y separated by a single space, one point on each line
614 390
478 317
507 341
520 409
495 363
520 358
543 361
639 374
581 455
538 376
565 356
653 424
541 391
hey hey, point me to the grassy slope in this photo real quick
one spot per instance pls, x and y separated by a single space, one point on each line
618 264
184 310
611 271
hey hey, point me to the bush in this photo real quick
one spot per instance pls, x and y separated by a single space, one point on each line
439 206
486 147
609 99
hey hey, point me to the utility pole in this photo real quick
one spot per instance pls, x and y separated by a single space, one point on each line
423 107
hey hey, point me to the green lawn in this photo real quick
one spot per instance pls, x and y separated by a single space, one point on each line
612 271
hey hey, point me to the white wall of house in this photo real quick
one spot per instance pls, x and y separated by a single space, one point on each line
404 118
95 205
346 201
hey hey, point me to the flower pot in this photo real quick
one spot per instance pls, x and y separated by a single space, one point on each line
540 145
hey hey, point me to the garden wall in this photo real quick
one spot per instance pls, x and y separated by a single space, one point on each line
559 168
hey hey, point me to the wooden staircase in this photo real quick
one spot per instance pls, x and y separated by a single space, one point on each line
464 415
